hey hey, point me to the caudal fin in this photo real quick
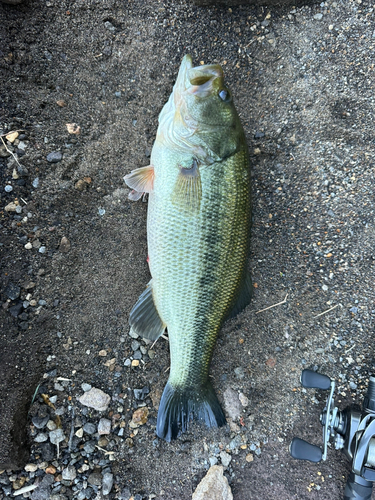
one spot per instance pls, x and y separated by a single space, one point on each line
178 407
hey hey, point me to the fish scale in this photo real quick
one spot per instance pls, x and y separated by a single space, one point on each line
198 230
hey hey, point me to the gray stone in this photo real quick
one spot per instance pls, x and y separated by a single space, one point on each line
95 479
89 428
232 403
89 447
54 157
43 492
86 387
95 398
56 436
12 291
214 486
107 483
104 426
135 345
69 473
41 438
225 458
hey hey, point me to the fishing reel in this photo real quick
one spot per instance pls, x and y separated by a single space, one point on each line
353 432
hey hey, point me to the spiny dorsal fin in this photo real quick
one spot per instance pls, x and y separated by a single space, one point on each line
187 192
141 180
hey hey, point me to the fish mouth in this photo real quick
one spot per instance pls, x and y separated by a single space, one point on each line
198 80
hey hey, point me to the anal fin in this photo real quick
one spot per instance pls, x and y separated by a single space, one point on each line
144 318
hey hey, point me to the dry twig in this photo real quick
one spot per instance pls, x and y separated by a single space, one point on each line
274 305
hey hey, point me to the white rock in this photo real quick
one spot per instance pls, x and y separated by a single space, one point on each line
225 458
232 403
214 486
31 467
95 398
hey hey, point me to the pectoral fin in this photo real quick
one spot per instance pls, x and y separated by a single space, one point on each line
141 181
144 318
244 297
187 192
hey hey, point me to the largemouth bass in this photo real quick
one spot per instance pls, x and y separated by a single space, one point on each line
198 229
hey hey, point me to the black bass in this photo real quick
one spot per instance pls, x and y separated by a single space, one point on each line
198 231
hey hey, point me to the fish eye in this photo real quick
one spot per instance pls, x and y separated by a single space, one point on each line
224 95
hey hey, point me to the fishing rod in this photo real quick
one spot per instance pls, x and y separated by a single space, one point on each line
353 432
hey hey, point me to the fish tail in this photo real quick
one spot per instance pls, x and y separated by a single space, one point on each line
179 406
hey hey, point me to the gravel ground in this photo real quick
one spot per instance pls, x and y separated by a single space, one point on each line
73 248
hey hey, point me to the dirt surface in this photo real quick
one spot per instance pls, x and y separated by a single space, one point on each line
303 83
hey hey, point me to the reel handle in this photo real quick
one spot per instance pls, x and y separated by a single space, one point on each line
315 380
302 450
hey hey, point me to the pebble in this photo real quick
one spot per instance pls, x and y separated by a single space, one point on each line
96 399
35 182
51 426
86 387
232 403
12 291
79 433
31 467
42 249
214 486
107 483
56 436
225 458
64 245
41 437
89 447
28 246
12 136
135 345
40 422
69 473
54 157
11 207
101 211
104 426
318 17
132 334
89 428
249 457
8 188
95 478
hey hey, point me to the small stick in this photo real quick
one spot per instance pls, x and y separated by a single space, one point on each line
71 431
2 140
274 305
12 132
105 451
25 489
327 311
346 352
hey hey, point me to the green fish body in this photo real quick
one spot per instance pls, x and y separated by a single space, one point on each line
198 230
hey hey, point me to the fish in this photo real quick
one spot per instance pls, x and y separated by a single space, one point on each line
198 236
